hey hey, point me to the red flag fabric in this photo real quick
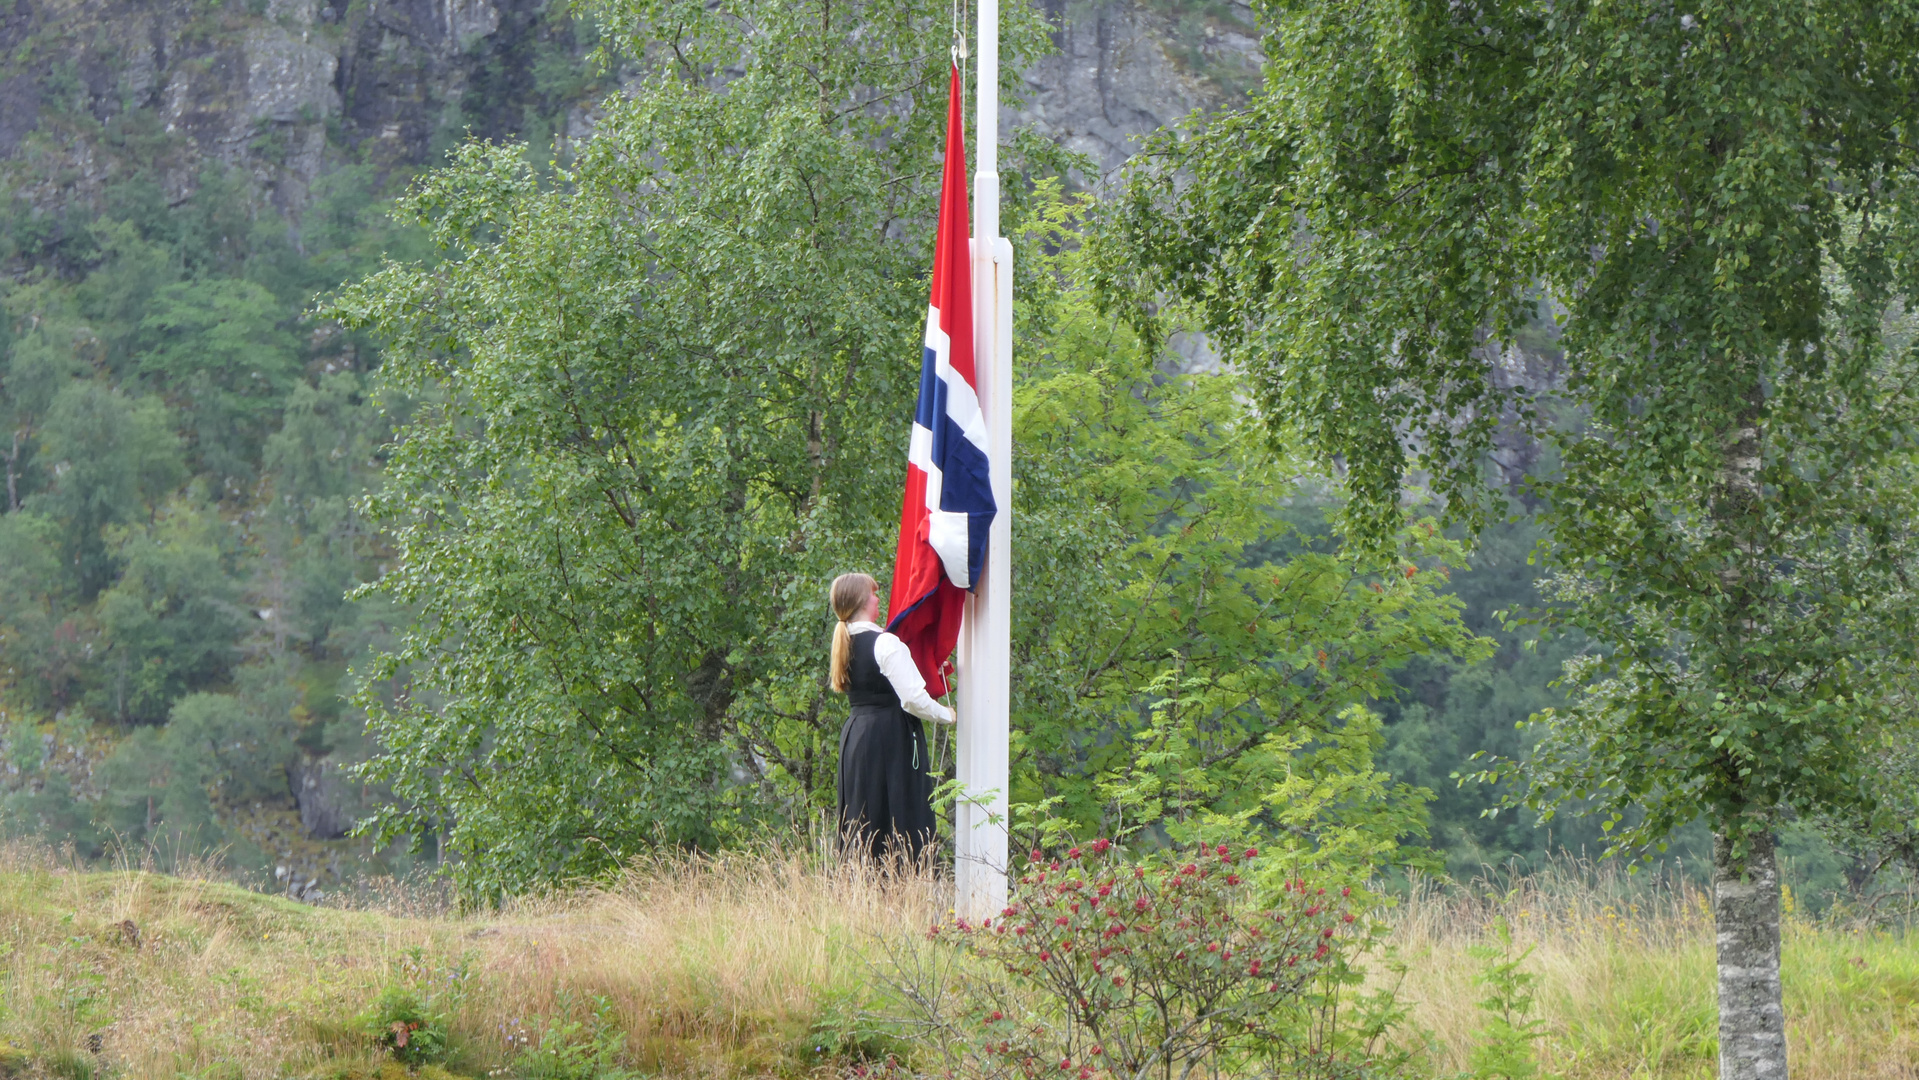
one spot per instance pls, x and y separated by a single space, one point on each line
948 504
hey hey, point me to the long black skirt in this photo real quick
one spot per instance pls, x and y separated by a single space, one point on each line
886 793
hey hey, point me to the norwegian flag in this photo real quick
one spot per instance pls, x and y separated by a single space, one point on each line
949 500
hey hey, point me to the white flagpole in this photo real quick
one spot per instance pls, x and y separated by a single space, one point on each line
985 699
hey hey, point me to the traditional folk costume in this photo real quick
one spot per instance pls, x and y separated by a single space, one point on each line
886 807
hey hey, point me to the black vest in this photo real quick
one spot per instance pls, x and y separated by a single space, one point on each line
865 683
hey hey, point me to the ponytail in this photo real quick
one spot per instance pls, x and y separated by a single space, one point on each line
848 597
842 656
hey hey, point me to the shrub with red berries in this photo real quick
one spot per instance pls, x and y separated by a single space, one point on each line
1110 967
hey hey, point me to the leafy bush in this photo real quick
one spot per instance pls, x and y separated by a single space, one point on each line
576 1050
1165 967
406 1024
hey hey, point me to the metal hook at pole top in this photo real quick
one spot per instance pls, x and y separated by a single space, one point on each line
959 38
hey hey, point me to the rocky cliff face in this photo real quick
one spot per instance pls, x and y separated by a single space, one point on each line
1125 68
94 90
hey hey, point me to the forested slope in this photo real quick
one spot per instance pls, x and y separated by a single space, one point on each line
184 442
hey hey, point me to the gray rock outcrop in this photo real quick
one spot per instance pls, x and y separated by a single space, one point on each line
1124 69
271 86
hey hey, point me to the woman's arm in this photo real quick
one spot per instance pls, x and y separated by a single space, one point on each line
896 663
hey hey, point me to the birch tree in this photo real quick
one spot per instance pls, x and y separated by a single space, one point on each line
1716 202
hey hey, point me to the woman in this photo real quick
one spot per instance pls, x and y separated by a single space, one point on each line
886 807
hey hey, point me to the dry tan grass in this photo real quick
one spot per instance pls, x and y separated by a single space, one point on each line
714 967
1625 978
723 968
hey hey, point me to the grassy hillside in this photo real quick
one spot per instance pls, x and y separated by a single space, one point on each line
765 965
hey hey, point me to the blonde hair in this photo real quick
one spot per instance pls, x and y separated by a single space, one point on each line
848 597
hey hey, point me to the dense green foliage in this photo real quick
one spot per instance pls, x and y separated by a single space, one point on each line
1733 521
1718 208
1184 651
184 444
184 449
656 384
661 387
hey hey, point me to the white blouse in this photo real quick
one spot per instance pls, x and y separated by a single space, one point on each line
896 663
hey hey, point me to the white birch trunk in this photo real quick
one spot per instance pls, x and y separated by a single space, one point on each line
1752 1018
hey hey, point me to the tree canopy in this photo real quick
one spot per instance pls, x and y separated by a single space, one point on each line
662 392
1716 204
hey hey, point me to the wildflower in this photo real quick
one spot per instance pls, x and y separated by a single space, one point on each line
1065 1064
1044 955
1061 921
1314 910
1347 891
1054 865
1189 868
1326 933
1106 889
1212 946
1232 879
1252 853
1220 851
1254 970
1072 853
1320 953
1348 917
1139 904
1010 911
1101 845
1096 1051
1119 980
1035 855
997 1016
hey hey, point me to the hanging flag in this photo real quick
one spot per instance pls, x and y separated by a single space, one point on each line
949 499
